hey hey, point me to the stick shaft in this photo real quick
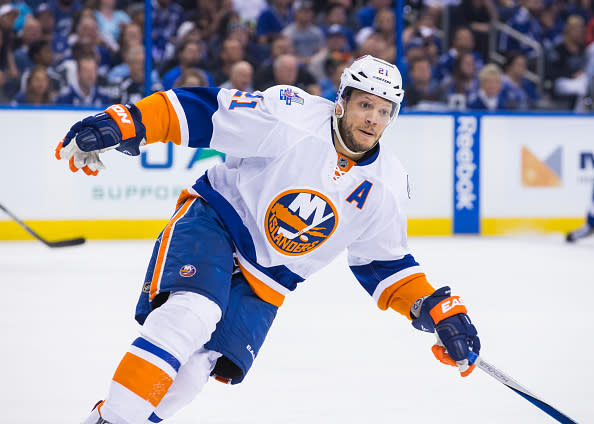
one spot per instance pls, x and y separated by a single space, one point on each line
522 391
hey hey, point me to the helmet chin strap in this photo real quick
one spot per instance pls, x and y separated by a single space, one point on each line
335 119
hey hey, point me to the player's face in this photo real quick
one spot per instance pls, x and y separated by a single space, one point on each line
365 118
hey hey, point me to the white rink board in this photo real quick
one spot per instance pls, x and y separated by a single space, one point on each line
502 139
424 146
38 187
44 188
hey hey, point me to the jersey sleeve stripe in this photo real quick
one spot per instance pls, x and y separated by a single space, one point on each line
159 119
394 279
181 117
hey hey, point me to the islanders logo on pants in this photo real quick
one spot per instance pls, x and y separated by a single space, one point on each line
299 221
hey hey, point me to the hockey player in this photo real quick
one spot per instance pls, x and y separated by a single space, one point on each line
304 179
585 230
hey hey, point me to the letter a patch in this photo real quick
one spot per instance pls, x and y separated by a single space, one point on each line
359 195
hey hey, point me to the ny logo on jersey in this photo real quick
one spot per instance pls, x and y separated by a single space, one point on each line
299 221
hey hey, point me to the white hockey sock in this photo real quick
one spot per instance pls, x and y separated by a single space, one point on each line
169 336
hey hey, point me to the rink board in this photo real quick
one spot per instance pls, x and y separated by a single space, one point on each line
468 173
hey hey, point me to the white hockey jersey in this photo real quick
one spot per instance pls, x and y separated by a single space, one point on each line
290 202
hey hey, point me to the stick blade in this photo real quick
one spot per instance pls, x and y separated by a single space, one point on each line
65 243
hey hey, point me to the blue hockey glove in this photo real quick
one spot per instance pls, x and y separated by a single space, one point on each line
118 127
445 315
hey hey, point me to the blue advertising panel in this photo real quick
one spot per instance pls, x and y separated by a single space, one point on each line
466 174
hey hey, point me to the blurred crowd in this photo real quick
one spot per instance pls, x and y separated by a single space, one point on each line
92 53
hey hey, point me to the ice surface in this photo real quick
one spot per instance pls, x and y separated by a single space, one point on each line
66 318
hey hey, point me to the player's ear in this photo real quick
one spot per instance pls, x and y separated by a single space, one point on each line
339 110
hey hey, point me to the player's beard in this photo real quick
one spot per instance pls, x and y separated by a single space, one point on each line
348 137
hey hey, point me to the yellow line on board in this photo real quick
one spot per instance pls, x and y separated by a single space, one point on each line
500 226
104 229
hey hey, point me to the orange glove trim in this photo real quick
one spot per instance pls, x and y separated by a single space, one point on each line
440 354
123 119
59 148
73 168
447 308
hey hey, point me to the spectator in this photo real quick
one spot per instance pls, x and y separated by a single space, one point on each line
63 12
286 70
525 20
307 38
280 44
273 20
191 77
110 20
136 13
30 33
24 10
131 88
249 10
366 14
40 54
85 92
231 52
385 27
567 65
187 31
212 18
37 89
337 14
462 85
87 32
240 77
329 85
478 15
46 19
424 32
265 77
462 42
167 17
376 46
552 27
519 92
189 57
336 49
130 36
9 74
423 91
489 96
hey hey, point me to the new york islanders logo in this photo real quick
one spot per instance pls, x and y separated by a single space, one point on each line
187 271
299 221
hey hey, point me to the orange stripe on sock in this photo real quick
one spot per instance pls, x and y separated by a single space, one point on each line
143 378
164 247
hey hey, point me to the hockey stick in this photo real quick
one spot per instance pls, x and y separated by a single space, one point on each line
59 243
516 387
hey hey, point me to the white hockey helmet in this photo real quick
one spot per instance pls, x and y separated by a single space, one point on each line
374 76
